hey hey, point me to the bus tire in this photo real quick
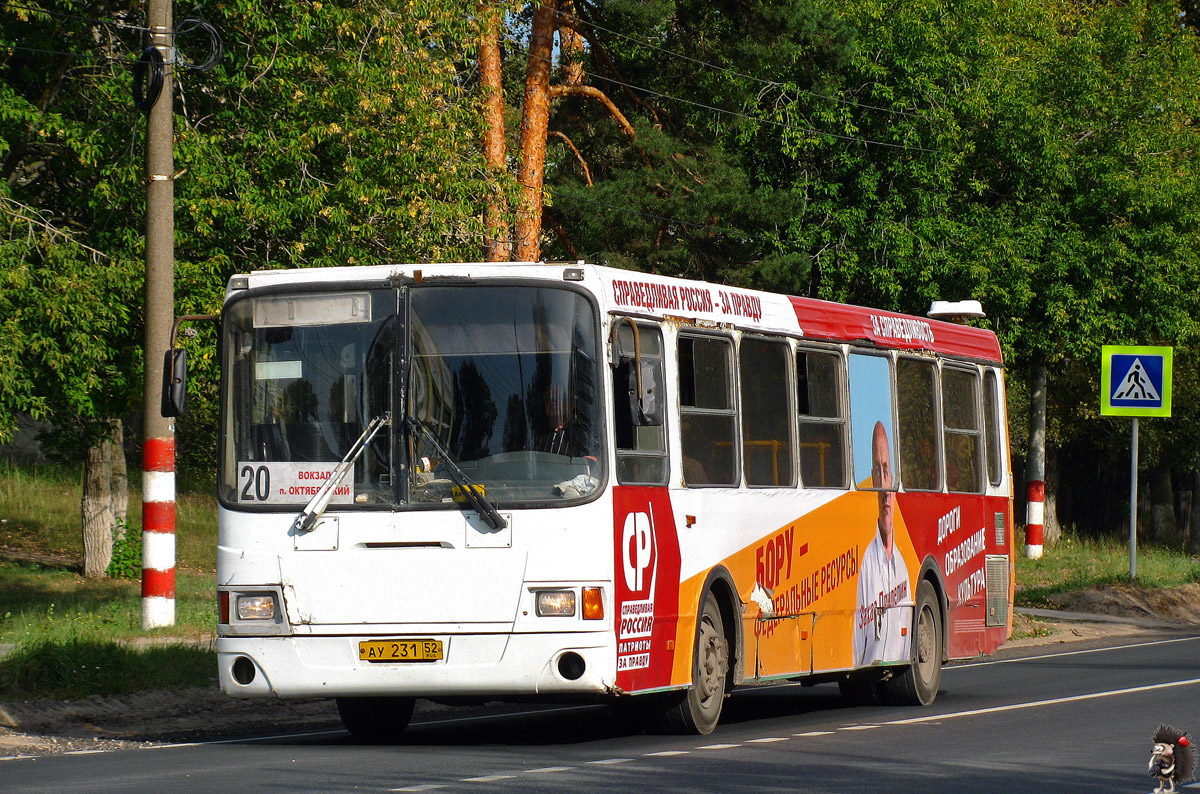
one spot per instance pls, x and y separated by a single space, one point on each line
698 710
376 718
918 684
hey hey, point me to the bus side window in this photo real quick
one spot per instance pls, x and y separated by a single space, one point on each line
822 419
641 448
991 419
916 395
766 422
964 436
707 418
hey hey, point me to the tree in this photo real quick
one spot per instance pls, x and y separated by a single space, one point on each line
330 133
498 245
535 117
662 154
70 260
1089 193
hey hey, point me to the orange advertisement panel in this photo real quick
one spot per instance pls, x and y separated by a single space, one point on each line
809 603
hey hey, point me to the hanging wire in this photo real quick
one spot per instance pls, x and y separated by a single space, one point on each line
716 68
148 76
760 119
216 47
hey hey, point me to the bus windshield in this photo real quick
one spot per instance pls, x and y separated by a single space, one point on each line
507 379
502 380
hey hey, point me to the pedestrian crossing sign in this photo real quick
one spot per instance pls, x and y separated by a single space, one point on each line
1135 381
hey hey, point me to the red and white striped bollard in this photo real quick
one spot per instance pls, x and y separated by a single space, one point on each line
158 533
1035 518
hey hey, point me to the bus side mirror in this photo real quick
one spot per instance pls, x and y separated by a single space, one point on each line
643 382
174 387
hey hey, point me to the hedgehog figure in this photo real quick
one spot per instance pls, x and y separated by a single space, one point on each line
1172 760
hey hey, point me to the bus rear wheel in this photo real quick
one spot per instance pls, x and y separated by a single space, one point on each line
699 709
376 718
918 684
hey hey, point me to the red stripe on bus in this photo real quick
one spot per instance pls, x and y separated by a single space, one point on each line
158 516
158 454
820 319
156 583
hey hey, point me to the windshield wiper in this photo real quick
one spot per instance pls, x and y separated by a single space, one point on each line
307 520
487 511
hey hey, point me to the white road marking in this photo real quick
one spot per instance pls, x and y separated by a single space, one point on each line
1147 644
718 747
548 770
1038 703
666 753
422 787
486 778
813 733
767 740
858 727
604 761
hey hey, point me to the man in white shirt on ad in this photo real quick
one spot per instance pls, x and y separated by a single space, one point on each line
883 617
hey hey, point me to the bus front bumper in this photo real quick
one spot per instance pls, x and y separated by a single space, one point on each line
472 664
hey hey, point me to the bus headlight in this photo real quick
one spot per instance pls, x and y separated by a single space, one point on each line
259 606
555 603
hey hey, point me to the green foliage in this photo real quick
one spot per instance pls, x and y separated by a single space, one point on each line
70 248
330 133
699 190
126 557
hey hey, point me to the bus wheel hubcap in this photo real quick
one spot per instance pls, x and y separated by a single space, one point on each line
712 668
925 644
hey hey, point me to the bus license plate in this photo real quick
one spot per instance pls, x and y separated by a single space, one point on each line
400 650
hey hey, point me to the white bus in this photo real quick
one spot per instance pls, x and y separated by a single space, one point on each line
560 480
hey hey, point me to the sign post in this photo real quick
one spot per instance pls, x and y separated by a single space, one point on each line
1135 382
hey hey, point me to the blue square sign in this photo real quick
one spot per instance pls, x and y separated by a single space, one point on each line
1135 381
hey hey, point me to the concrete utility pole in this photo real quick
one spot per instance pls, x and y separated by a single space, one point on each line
1035 465
158 449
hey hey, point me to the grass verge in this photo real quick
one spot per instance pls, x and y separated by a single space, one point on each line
59 606
68 636
39 512
1076 563
78 668
72 637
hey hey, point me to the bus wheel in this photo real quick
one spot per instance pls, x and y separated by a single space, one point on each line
699 709
376 718
918 684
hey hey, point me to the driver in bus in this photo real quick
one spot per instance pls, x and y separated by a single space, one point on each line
883 617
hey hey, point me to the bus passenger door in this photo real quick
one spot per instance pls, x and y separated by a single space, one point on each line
783 645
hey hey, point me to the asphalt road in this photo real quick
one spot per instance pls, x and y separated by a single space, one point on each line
1025 721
